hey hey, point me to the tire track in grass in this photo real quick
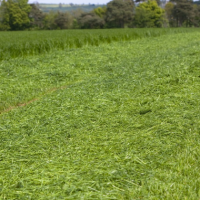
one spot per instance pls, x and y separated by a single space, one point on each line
51 90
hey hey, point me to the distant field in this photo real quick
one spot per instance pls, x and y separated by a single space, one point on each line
68 8
116 120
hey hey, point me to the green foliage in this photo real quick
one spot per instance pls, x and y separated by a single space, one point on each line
4 16
197 15
169 11
149 14
57 20
90 21
118 121
36 17
100 11
119 13
15 14
49 21
63 20
19 15
183 12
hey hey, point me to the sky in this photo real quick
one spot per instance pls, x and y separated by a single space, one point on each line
72 1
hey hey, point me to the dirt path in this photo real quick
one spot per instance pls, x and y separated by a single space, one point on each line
33 100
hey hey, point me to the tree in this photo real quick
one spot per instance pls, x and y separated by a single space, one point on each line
4 17
169 7
119 13
197 15
100 11
1 12
76 15
183 12
15 14
49 20
149 14
90 20
36 16
63 20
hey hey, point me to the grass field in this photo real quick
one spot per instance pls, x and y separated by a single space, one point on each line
24 43
115 121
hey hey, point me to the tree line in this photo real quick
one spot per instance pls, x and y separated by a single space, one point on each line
19 15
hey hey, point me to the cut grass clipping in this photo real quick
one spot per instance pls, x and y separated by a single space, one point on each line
117 121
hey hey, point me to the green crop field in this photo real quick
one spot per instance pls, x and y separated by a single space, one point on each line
21 43
98 115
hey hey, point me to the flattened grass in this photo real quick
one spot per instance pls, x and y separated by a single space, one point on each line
125 127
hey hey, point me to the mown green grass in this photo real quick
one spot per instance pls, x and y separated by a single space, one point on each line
124 125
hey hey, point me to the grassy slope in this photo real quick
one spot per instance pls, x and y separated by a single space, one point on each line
125 127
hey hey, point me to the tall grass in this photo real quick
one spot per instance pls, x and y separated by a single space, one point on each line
16 44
